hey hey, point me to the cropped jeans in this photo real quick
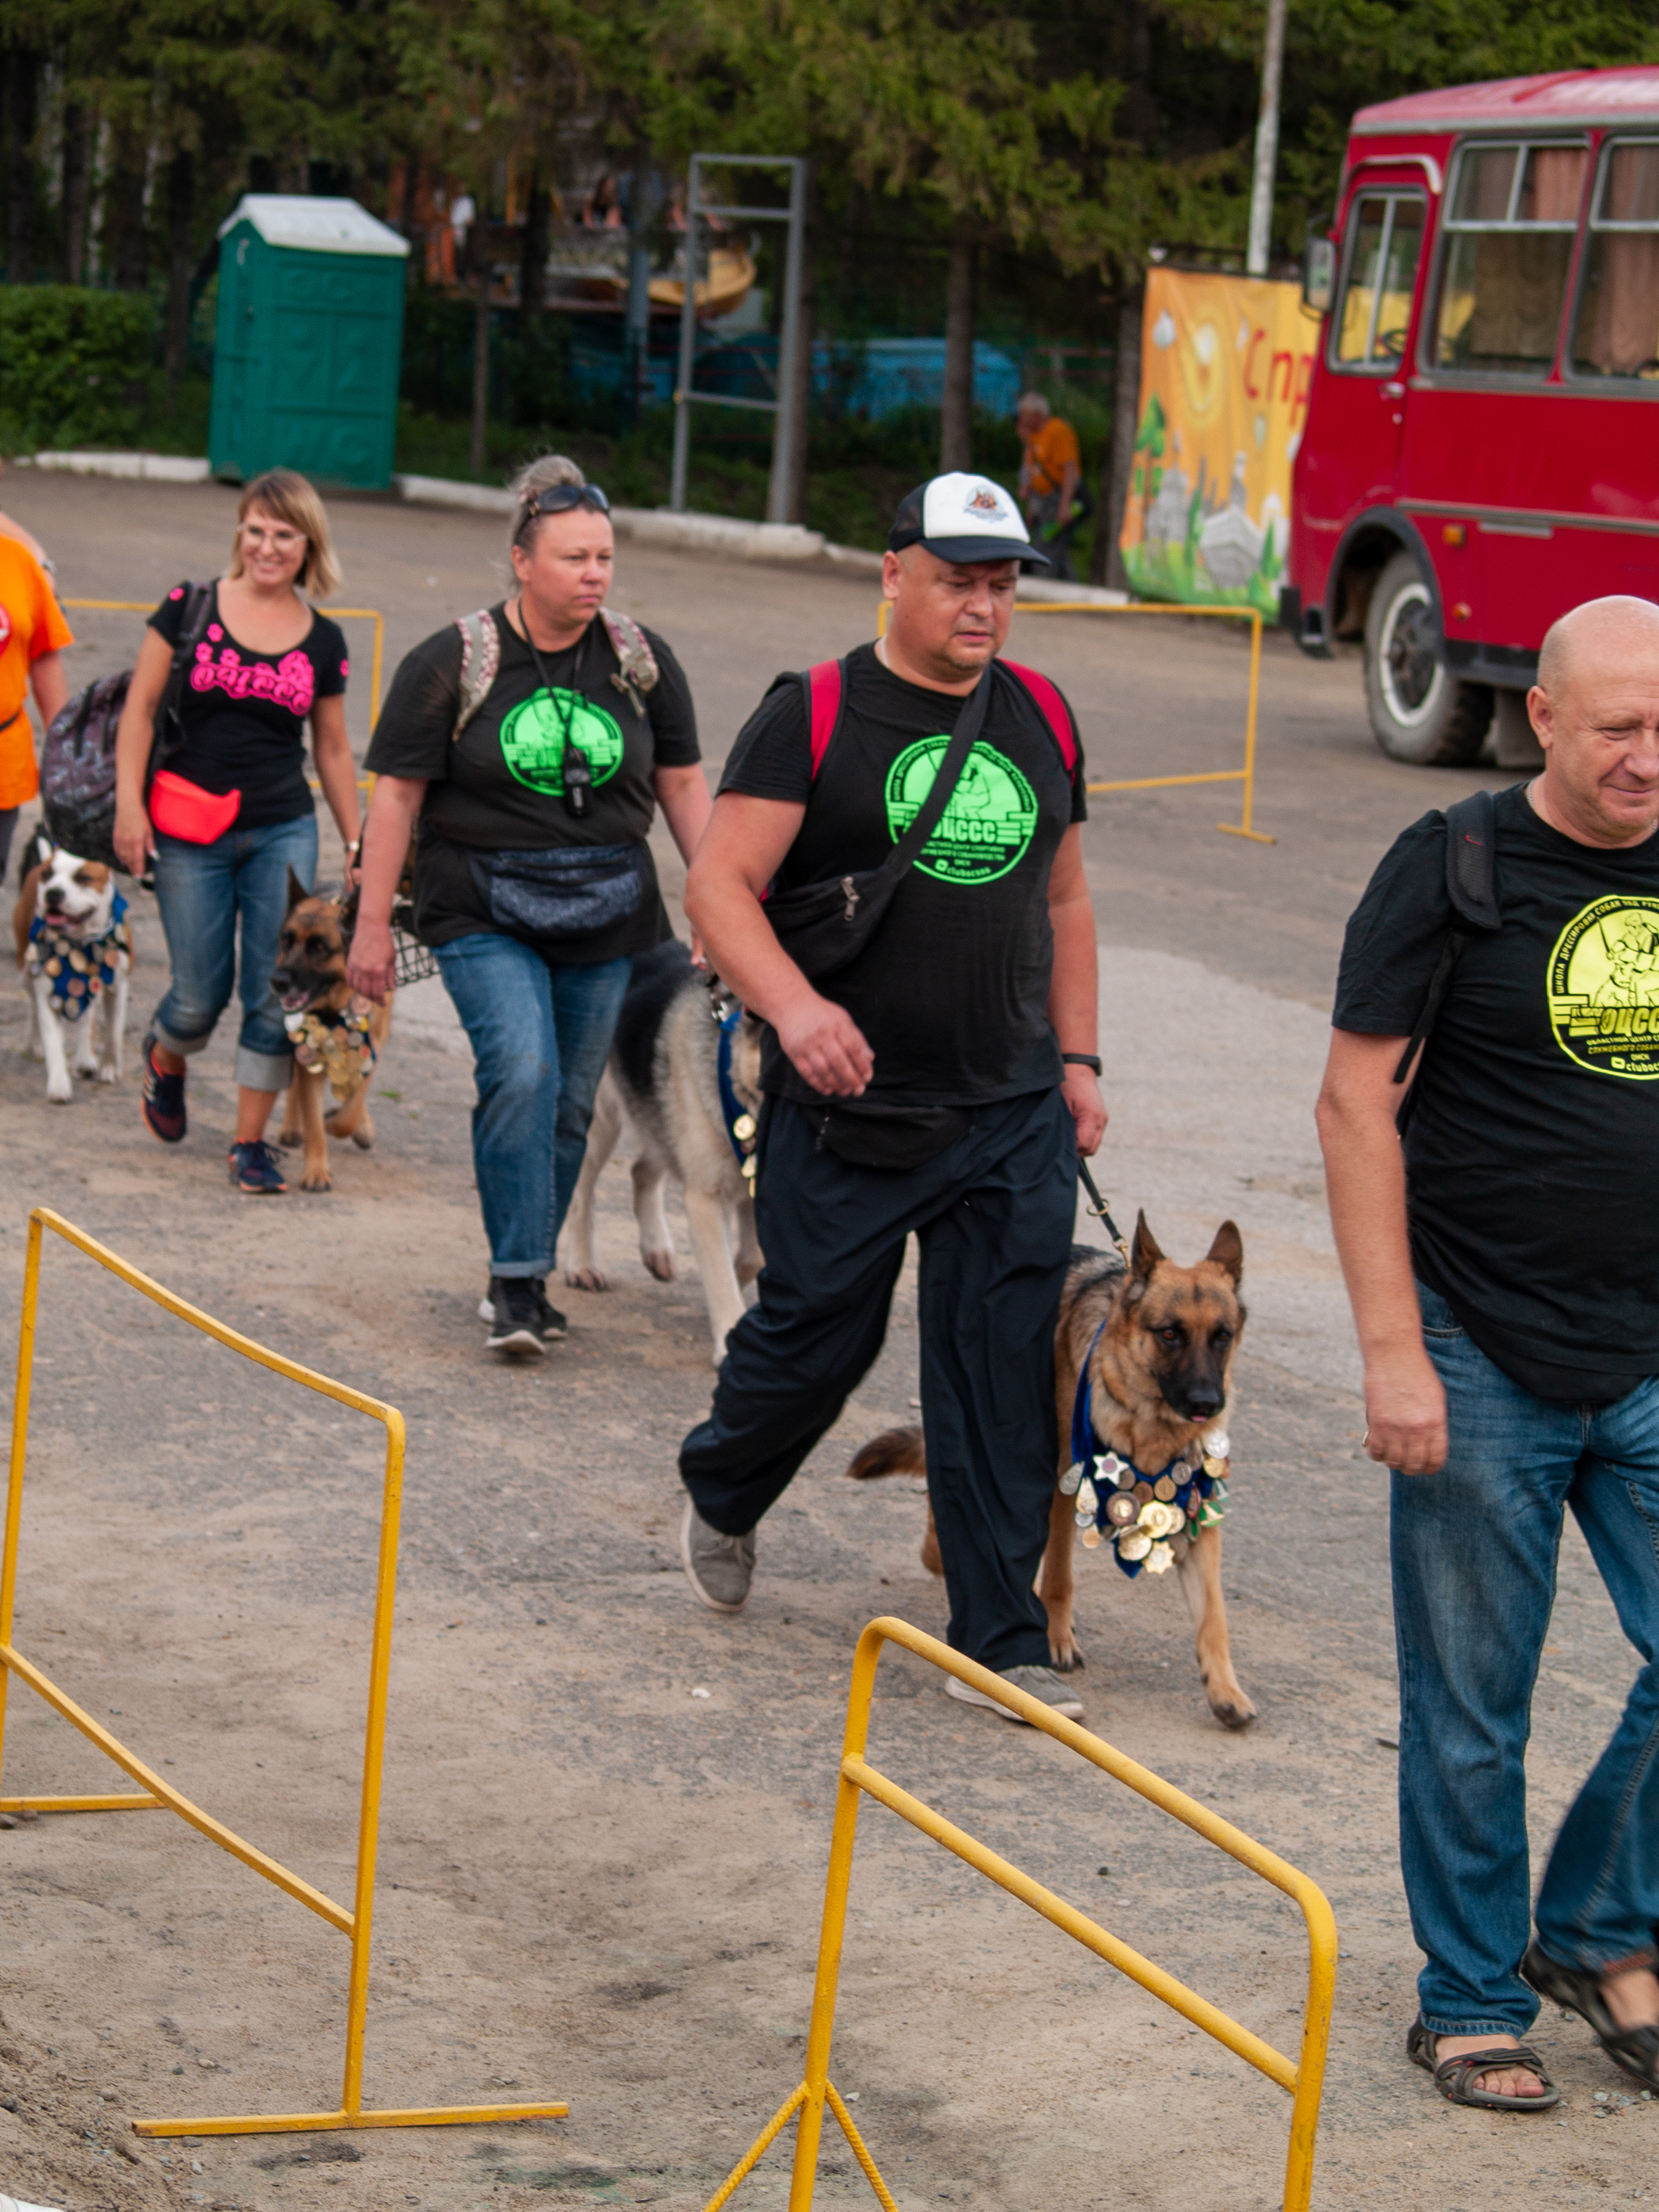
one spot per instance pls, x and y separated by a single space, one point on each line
540 1036
208 894
1474 1553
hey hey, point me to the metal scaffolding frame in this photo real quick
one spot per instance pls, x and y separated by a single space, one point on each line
785 428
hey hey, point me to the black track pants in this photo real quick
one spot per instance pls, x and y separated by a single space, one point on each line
994 1216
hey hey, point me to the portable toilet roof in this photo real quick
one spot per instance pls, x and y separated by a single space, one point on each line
317 226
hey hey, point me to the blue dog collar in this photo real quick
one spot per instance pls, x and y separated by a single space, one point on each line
741 1129
1146 1518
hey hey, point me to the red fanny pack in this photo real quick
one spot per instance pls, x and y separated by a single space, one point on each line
179 808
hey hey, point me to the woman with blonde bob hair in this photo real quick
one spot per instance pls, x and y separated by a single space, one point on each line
222 805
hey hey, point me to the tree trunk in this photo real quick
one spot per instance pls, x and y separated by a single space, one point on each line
533 267
77 180
955 439
123 214
181 208
22 101
1106 565
480 345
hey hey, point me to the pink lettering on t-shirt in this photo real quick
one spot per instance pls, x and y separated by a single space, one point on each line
291 684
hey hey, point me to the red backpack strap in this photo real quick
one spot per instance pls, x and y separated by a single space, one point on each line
825 685
1052 707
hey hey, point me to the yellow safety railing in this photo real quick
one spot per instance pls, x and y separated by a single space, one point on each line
158 1793
1246 776
334 614
1303 2076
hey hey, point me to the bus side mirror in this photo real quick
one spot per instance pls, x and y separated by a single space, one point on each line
1318 272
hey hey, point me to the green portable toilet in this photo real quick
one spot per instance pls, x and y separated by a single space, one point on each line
309 341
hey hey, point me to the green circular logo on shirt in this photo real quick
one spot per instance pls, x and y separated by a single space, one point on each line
532 739
986 829
1604 987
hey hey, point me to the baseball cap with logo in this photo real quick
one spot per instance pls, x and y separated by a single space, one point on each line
963 518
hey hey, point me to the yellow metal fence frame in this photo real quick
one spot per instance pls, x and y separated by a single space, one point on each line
1302 2077
335 614
158 1793
1245 775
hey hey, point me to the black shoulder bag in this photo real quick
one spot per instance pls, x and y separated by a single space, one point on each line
1472 887
823 927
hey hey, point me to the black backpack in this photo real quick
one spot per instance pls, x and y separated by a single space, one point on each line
1472 887
77 761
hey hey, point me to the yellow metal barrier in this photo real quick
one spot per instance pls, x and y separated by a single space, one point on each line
1246 776
1302 2077
334 614
157 1793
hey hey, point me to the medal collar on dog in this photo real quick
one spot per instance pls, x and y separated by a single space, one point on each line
1145 1516
79 968
331 1042
741 1129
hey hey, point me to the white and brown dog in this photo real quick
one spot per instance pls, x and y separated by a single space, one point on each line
685 1076
75 954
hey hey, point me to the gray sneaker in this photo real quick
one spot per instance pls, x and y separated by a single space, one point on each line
1040 1682
719 1569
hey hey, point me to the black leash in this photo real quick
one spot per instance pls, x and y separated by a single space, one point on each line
1098 1208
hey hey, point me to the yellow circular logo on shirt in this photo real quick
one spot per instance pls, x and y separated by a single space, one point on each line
1604 987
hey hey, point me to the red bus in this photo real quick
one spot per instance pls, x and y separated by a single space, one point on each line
1481 447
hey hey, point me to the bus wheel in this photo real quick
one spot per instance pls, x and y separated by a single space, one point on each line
1419 711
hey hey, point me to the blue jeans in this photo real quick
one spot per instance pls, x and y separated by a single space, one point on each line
540 1036
1475 1555
203 892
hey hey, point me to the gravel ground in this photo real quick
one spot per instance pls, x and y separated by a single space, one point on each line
596 1884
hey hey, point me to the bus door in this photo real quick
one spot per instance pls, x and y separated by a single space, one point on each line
1362 396
1490 458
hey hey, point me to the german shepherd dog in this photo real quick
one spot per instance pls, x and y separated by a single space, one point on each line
1163 1340
662 1082
310 980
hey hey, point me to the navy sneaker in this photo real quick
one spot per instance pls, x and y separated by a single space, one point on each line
549 1320
163 1097
254 1169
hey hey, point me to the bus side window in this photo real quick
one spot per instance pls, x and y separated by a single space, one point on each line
1386 231
1617 329
1513 217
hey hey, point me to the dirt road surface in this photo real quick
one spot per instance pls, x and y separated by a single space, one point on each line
606 1810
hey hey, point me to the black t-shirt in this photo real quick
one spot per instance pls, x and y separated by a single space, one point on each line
953 990
243 713
1532 1153
499 787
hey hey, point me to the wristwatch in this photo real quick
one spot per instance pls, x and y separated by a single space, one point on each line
1088 1059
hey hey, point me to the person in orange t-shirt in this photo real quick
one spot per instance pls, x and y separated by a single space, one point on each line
1050 479
33 635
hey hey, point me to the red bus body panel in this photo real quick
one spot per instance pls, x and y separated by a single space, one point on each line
1522 496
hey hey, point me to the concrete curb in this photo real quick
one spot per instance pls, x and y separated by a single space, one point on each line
159 468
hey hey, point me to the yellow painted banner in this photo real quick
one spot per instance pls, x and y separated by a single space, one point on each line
1225 365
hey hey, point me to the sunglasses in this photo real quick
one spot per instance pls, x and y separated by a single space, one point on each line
559 499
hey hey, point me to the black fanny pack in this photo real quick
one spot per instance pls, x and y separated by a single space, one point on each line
566 891
871 1135
823 925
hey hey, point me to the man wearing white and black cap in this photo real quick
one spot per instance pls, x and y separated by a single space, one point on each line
941 1081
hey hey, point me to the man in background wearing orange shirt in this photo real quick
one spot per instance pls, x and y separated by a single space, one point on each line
33 635
1050 478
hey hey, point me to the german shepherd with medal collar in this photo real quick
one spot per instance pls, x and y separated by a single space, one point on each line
1164 1339
310 979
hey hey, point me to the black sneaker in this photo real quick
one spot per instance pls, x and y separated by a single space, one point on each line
515 1315
162 1101
254 1169
552 1322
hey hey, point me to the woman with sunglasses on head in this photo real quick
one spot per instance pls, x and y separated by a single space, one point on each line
531 746
230 811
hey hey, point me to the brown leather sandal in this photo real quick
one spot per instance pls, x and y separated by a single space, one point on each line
1634 2050
1453 2077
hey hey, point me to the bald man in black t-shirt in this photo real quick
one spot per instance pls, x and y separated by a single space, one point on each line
1502 1266
943 1081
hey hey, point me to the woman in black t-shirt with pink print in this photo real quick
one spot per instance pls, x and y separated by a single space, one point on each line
230 811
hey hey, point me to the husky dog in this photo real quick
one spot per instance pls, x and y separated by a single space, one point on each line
663 1082
75 955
